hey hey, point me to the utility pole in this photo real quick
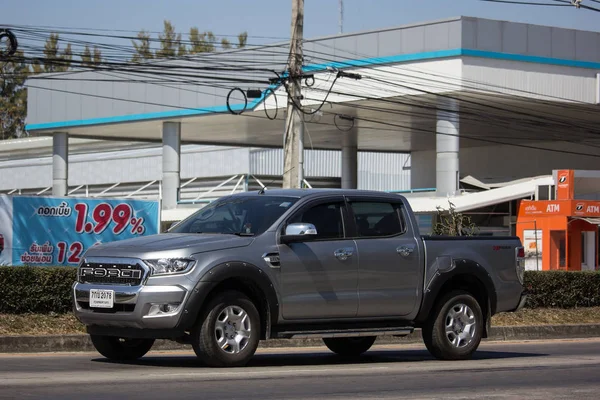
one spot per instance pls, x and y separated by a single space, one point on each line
293 142
341 22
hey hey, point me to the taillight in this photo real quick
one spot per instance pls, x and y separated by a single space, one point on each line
520 263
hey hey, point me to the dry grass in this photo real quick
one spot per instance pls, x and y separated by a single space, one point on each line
59 324
548 316
39 324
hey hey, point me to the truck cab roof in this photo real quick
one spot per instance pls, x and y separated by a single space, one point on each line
312 192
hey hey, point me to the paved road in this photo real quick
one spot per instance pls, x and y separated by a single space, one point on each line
567 369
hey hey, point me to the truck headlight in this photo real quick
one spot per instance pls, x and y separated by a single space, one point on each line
168 266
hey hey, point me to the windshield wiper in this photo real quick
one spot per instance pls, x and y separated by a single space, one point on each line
242 234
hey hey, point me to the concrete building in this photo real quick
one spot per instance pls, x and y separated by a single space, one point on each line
480 105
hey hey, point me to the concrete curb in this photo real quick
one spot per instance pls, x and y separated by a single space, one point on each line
81 342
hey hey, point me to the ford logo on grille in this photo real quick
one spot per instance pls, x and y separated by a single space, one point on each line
110 273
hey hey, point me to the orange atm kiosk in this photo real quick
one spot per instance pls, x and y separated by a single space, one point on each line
560 234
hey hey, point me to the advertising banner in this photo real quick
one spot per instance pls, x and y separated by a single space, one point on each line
58 231
6 230
532 242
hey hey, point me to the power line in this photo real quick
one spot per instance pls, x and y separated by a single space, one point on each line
235 81
347 94
527 3
53 28
375 121
556 3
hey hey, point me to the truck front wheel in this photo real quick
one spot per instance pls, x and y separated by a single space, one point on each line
349 346
121 349
455 328
229 332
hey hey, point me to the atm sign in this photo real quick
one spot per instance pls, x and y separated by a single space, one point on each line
586 208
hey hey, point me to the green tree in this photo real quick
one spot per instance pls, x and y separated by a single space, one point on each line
86 57
201 42
54 59
452 223
182 50
225 44
13 96
143 48
242 39
97 56
170 42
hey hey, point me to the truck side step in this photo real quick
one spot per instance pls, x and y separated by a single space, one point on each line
389 331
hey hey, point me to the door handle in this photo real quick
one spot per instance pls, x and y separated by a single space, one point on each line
343 254
405 251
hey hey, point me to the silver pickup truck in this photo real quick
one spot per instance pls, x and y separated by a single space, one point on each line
342 265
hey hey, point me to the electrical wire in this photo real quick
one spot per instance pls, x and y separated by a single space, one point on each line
245 101
375 121
527 99
527 3
321 104
6 36
276 104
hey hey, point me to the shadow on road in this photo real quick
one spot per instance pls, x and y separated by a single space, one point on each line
317 358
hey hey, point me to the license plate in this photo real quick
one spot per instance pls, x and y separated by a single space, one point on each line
100 298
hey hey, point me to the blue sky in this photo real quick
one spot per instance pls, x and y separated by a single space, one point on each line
272 17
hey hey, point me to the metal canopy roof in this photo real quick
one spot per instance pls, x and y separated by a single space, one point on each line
125 106
472 201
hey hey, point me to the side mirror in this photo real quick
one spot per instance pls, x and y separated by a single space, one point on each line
299 232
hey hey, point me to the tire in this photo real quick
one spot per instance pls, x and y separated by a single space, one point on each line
458 342
209 336
121 349
349 346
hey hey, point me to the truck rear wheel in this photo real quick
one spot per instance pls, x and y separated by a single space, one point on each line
455 329
229 332
349 346
121 349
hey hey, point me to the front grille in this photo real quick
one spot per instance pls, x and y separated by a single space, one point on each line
111 274
117 307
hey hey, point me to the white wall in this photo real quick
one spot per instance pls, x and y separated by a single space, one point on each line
551 82
504 162
422 169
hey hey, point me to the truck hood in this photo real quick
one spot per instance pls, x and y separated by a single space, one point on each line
184 244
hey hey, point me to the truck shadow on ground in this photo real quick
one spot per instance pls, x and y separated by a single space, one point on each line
316 358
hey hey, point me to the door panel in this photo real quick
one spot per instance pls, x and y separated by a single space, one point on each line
319 278
389 259
316 283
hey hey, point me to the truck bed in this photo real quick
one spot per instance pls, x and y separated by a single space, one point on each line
496 255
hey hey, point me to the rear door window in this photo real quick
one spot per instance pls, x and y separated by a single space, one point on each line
377 219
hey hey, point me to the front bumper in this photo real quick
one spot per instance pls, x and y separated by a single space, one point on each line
133 306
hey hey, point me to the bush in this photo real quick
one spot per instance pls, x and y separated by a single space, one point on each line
48 289
36 289
562 289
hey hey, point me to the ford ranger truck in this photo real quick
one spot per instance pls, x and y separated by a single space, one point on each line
342 265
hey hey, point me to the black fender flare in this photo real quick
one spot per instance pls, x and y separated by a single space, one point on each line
444 274
219 274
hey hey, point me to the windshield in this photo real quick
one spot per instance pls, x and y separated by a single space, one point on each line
236 215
